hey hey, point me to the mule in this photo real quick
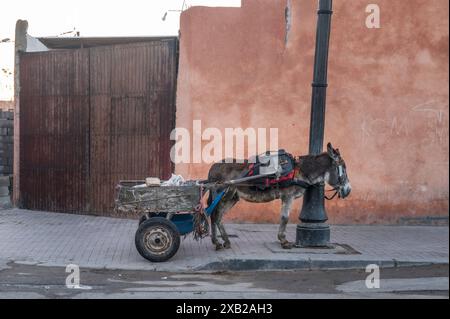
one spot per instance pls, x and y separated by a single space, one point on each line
327 168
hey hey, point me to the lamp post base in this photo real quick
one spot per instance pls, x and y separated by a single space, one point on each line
313 235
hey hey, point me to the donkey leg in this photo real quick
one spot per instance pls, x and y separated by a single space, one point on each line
215 213
223 234
233 199
214 239
285 210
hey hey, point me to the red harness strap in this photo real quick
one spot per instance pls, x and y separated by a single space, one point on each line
251 170
273 181
288 177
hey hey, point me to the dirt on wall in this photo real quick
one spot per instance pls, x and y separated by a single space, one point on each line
387 102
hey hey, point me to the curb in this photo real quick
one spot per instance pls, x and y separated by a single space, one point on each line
306 264
242 265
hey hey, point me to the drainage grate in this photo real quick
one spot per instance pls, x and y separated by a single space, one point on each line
332 249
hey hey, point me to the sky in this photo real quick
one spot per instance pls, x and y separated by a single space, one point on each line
90 18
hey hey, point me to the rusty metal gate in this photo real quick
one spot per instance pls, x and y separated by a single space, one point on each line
91 117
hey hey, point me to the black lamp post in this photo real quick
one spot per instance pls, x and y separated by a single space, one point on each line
313 230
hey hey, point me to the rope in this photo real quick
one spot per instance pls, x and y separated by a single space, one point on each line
200 220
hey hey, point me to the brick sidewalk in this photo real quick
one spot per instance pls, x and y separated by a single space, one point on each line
98 242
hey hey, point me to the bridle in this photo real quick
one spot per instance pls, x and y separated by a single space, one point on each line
340 171
336 192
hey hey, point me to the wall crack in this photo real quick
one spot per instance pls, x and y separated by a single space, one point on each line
288 21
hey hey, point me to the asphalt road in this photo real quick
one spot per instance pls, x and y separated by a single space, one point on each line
31 281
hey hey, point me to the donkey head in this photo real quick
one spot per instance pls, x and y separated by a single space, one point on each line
338 178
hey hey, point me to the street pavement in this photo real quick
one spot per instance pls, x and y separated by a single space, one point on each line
36 247
55 239
20 281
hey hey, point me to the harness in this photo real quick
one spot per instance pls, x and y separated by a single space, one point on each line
280 175
284 175
336 191
340 171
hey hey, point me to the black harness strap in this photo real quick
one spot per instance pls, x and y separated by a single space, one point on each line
332 197
300 183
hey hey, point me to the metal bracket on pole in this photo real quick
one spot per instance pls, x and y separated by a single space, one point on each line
325 12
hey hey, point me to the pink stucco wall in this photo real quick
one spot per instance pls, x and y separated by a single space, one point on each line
387 106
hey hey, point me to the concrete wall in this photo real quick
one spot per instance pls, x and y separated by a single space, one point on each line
387 99
6 105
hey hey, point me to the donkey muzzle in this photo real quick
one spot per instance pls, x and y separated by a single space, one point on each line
345 191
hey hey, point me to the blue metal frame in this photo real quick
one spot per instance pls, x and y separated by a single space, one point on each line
214 204
185 222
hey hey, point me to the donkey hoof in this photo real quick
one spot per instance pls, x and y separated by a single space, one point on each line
219 246
227 245
287 245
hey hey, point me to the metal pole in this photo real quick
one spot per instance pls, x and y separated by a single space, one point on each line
313 230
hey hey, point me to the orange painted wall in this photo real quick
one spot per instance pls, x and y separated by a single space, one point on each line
387 106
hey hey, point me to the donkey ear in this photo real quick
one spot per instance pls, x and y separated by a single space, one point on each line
331 151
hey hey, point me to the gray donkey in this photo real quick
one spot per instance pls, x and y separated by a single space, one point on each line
328 167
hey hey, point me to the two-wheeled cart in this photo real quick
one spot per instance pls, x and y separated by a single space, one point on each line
167 213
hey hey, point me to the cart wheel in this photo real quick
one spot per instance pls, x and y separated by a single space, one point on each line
157 239
142 219
148 216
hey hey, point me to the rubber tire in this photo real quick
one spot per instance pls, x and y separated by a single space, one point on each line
142 219
169 227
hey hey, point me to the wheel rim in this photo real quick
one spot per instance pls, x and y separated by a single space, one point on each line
157 240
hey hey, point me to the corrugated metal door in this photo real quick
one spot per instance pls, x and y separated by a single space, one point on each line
54 130
132 115
91 117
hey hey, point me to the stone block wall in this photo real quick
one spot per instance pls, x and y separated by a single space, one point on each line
6 156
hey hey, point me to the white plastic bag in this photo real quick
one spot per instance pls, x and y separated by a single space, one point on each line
175 180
